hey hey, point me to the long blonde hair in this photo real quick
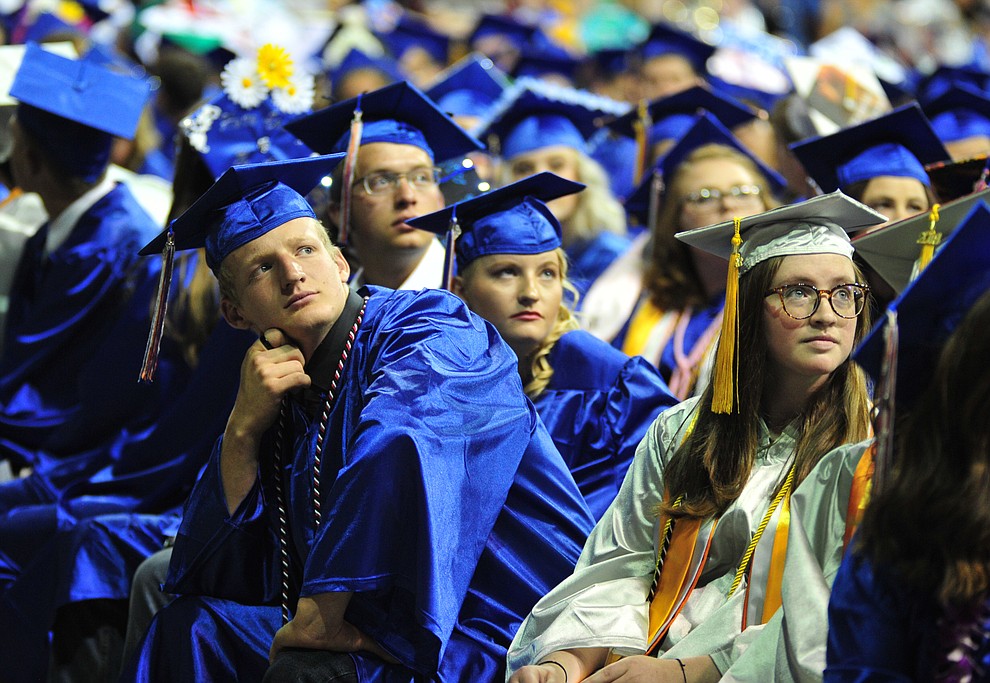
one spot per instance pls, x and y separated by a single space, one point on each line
597 209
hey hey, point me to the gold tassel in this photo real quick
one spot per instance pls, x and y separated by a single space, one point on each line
725 380
640 127
150 362
350 166
453 232
928 240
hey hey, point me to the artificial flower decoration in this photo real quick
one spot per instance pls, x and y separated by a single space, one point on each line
274 66
248 82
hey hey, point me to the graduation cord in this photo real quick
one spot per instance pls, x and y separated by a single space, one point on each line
283 526
325 416
668 532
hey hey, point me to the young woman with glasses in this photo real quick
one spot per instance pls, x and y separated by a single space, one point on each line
687 563
663 300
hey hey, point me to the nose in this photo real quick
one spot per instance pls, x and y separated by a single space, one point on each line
404 191
291 270
528 291
824 314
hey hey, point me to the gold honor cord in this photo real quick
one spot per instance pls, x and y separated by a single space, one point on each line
744 564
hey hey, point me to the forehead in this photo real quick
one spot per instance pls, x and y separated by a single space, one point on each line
815 269
720 173
390 156
549 152
287 235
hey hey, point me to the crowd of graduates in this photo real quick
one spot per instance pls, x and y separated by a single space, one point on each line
380 341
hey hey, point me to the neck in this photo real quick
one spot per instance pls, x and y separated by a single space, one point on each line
786 398
391 269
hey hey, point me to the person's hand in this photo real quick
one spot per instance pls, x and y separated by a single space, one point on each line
319 625
639 669
538 673
272 367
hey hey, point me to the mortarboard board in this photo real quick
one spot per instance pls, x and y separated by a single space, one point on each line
514 31
10 62
73 108
533 114
745 94
944 78
47 24
895 251
960 112
244 203
610 61
815 226
468 87
838 95
398 113
665 39
706 131
726 109
900 351
409 33
896 144
820 225
513 219
955 179
355 60
539 61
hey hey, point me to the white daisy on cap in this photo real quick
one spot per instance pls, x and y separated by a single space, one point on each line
820 225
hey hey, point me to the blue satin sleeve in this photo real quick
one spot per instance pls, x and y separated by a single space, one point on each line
878 630
597 407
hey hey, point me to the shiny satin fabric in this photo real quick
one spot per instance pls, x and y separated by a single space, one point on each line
77 530
597 407
62 328
450 515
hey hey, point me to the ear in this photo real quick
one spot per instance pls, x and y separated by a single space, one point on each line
342 265
232 314
457 285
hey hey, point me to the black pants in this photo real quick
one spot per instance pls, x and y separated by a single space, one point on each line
294 665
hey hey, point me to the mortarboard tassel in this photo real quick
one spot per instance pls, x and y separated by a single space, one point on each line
640 126
724 380
928 240
453 232
653 209
886 390
350 165
150 362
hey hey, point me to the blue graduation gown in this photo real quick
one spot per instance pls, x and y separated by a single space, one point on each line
597 407
878 629
68 535
446 509
69 317
589 258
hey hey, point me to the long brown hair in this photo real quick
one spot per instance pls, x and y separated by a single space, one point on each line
931 524
670 278
714 463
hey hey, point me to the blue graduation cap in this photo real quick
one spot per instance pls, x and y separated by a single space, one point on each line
409 33
245 203
516 32
47 24
541 60
961 112
513 219
895 251
944 78
671 116
931 307
73 108
533 114
469 87
664 39
356 60
896 144
225 134
707 130
398 113
610 61
764 99
955 179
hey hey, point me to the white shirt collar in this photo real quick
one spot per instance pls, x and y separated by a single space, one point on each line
61 226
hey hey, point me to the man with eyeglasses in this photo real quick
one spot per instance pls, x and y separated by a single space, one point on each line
401 138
